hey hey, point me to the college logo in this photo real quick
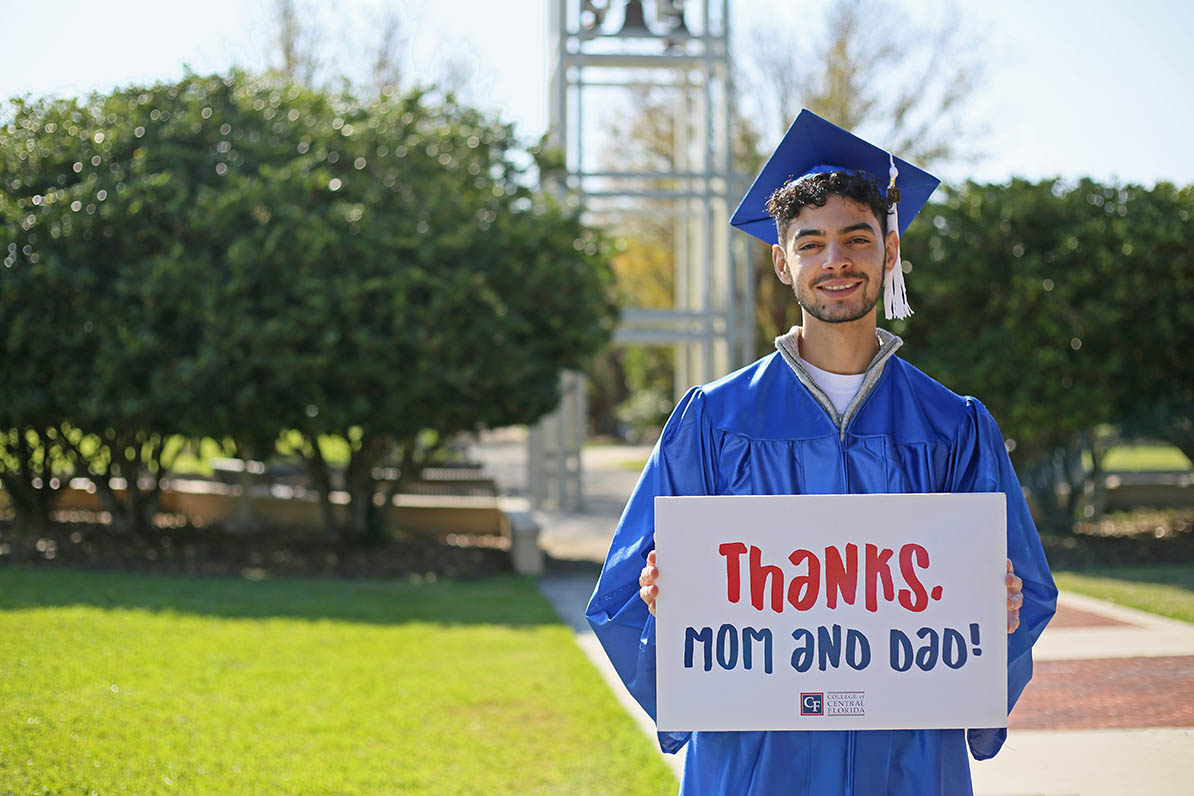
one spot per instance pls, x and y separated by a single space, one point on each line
845 703
833 703
812 703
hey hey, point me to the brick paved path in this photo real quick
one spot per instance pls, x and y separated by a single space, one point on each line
1068 616
1106 693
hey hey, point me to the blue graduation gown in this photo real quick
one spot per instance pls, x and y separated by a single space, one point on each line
760 431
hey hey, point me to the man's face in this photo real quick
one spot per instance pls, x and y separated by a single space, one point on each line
835 259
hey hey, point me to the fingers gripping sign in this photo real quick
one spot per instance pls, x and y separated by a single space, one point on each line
1015 598
648 591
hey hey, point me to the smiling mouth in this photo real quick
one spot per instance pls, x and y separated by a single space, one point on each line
840 288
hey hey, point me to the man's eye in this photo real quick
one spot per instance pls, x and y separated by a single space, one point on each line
860 239
808 247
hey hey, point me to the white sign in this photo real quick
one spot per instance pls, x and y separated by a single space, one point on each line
831 612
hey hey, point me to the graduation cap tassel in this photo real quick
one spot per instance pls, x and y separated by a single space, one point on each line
895 294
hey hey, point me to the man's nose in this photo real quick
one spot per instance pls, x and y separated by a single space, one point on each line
837 256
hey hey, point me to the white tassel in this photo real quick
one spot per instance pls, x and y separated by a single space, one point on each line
895 294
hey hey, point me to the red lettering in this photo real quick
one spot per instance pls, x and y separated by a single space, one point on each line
733 552
759 575
841 567
915 599
841 577
803 589
878 566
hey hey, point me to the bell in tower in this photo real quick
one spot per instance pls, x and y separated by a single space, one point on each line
635 21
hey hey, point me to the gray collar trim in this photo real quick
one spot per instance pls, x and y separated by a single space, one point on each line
789 349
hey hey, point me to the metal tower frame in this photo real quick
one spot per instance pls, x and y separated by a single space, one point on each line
681 48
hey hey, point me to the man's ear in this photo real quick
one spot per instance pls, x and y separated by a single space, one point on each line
891 250
779 259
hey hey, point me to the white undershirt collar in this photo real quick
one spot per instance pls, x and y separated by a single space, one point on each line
840 387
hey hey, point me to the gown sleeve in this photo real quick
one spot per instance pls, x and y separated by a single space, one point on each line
682 463
980 464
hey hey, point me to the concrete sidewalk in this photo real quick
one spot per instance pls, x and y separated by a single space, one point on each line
1109 712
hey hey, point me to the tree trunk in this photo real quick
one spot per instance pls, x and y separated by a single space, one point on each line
1043 479
366 523
244 521
1180 433
31 488
109 500
135 511
321 480
1074 475
30 507
1097 506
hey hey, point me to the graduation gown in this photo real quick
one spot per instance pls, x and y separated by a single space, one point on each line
768 430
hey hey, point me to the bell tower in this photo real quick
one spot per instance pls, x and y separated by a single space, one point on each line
603 51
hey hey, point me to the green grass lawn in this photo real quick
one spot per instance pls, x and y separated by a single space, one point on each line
114 683
1145 457
1166 589
193 457
197 459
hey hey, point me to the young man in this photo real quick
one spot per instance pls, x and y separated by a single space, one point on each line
832 411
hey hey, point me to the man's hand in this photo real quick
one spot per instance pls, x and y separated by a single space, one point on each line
649 591
1015 598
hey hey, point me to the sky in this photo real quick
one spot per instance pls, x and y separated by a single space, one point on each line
1072 87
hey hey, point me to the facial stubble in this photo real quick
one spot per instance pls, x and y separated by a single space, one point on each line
822 313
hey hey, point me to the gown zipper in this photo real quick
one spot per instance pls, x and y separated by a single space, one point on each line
789 350
849 763
888 343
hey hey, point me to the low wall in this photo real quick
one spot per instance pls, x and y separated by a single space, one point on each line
1160 490
471 506
206 502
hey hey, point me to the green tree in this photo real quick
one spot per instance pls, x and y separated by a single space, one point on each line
85 340
33 463
1049 302
1156 256
268 257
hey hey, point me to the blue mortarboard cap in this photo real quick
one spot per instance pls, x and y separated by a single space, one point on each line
814 145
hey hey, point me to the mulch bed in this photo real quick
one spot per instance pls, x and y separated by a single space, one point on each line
266 552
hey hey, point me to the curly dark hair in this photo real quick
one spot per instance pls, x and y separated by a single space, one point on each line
815 189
